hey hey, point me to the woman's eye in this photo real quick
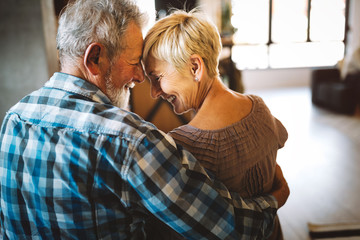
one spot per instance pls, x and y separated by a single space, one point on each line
158 78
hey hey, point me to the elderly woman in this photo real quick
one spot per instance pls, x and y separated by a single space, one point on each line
233 135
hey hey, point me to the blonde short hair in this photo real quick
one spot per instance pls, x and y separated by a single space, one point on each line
176 37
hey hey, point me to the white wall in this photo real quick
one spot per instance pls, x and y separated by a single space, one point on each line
213 10
354 31
275 78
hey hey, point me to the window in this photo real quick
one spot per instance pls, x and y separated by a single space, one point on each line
288 33
149 8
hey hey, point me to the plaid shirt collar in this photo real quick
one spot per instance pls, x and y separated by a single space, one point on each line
77 85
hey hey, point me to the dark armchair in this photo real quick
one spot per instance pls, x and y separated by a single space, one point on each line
329 91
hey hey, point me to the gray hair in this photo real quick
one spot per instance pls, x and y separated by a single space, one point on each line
83 22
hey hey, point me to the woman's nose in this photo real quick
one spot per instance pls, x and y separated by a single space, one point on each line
139 73
155 90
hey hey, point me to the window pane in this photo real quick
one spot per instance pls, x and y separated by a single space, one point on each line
147 6
327 20
289 33
250 57
289 21
251 19
305 54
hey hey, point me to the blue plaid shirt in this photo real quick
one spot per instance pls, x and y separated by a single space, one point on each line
73 166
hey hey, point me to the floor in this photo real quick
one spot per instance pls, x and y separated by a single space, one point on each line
321 162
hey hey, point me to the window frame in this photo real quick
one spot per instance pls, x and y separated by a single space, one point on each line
270 42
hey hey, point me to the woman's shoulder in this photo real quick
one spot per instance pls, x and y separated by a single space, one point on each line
223 111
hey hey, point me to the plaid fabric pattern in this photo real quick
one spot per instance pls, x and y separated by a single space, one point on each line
72 166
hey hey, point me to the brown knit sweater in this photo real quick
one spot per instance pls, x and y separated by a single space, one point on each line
242 155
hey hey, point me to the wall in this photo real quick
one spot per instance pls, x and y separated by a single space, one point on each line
23 64
275 78
354 19
213 10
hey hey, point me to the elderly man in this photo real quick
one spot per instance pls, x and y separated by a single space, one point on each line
75 165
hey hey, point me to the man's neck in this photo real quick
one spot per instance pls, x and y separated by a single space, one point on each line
73 70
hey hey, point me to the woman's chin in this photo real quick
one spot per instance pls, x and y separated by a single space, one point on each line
177 110
180 110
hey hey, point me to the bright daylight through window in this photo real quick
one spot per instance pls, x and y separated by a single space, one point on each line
302 33
147 6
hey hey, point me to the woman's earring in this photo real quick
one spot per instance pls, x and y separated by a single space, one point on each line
196 79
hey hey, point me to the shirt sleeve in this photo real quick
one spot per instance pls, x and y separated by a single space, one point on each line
175 188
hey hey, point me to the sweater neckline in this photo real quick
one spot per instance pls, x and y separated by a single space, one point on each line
235 124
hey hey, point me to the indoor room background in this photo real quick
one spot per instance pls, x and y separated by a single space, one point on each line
274 45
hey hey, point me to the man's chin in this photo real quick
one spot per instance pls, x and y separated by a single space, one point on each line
123 102
120 98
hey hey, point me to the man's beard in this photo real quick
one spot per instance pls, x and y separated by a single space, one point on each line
118 96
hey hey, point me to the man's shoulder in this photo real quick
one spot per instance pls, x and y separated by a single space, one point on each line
109 119
52 108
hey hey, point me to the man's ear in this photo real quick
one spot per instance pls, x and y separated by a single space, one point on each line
197 66
92 58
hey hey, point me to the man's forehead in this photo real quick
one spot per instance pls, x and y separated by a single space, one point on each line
133 46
